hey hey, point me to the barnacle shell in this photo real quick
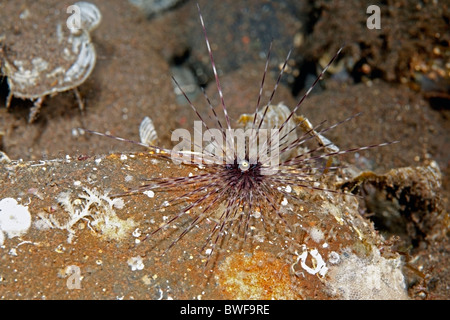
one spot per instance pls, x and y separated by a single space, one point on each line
276 115
147 131
274 118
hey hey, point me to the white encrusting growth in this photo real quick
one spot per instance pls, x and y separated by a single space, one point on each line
94 208
372 277
15 219
149 193
316 234
136 263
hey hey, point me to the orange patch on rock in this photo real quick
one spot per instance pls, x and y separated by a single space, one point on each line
258 276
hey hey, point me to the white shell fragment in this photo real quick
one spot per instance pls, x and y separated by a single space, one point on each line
319 265
147 132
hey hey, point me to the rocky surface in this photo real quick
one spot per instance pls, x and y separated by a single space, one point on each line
132 79
60 217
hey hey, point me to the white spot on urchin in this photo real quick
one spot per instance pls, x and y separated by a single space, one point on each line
149 193
123 157
129 178
15 219
284 202
288 189
136 263
77 183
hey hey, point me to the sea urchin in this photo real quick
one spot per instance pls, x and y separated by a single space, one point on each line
248 176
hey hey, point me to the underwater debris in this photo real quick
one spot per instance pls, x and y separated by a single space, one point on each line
34 71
